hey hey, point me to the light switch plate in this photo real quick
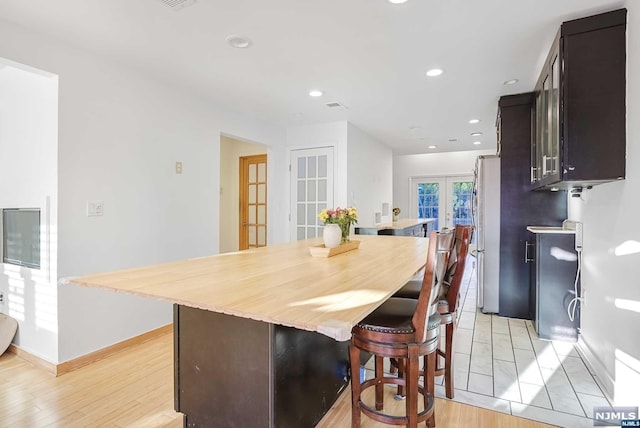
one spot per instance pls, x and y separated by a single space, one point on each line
94 208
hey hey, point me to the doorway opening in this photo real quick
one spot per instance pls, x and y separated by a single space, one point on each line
448 199
232 202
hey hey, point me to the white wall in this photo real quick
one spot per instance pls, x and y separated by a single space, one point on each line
370 175
120 134
332 134
28 179
611 313
432 164
230 152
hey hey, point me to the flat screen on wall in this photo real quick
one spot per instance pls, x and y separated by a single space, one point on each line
21 237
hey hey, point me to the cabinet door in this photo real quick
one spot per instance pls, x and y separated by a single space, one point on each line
529 255
545 146
556 265
554 115
546 129
539 135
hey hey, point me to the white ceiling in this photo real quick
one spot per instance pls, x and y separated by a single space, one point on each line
369 55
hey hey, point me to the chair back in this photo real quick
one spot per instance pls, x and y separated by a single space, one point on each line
440 247
463 236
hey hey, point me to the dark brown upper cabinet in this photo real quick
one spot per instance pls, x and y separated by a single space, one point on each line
579 134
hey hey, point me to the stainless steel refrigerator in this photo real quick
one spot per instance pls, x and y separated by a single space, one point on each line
487 230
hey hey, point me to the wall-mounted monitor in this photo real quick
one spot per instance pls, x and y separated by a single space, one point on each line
21 237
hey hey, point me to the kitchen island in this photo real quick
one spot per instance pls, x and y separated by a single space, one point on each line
400 227
261 335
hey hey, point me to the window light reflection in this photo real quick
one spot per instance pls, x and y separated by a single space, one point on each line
630 305
341 301
627 248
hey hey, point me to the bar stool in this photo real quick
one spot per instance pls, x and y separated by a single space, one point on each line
448 301
405 330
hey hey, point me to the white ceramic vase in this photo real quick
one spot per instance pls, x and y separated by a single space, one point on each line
332 235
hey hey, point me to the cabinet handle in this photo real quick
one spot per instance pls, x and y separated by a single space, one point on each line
526 252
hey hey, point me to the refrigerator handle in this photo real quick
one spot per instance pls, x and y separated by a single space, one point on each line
527 259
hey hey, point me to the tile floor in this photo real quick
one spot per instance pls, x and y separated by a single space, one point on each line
500 364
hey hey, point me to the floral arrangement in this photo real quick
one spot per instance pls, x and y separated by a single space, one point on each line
343 217
396 213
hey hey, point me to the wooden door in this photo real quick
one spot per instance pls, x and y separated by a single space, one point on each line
253 202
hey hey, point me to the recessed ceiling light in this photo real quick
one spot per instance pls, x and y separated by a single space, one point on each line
315 93
472 121
511 82
239 42
432 147
477 142
434 72
476 134
397 1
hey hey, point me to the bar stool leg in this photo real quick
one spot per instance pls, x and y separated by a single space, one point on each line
401 370
411 379
448 365
379 370
354 358
430 383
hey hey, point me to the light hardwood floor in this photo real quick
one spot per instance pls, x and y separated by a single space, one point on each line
134 388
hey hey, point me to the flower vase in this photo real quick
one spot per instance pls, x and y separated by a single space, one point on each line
345 228
332 235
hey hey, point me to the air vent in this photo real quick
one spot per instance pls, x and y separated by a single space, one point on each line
336 106
177 4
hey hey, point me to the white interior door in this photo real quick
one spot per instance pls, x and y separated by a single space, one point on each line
311 190
448 199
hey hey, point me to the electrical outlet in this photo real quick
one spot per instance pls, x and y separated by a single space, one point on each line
1 297
178 167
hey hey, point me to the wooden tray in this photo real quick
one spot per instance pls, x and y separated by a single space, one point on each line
322 251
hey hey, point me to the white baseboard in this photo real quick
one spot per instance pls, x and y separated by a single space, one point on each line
599 371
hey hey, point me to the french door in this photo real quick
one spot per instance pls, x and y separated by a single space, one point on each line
448 199
311 190
253 202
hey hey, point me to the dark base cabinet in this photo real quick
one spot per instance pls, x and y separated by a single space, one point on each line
519 206
238 372
417 230
554 264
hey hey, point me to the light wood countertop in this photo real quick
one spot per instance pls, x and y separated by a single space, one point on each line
281 284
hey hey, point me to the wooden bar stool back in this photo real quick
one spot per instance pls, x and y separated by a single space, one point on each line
448 300
402 329
449 307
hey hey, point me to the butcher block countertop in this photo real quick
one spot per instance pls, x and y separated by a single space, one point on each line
281 284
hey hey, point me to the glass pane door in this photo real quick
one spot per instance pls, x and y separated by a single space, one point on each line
446 199
311 190
460 191
429 201
253 202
